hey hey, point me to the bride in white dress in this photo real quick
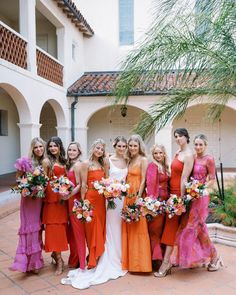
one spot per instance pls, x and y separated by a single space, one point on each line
109 264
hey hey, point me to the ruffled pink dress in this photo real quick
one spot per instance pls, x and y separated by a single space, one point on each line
29 250
193 246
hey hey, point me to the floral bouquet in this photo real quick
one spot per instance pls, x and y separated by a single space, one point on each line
150 207
24 164
62 185
131 213
111 189
175 206
32 184
83 210
195 189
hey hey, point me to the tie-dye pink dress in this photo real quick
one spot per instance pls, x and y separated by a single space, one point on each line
193 246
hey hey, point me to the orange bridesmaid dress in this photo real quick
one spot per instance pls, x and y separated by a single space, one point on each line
55 217
136 248
95 230
172 224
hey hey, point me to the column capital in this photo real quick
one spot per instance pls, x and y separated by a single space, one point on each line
29 125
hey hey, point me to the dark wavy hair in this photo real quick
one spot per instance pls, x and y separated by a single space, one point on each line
62 153
183 132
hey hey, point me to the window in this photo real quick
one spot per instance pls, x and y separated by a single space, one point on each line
126 22
203 11
3 123
74 51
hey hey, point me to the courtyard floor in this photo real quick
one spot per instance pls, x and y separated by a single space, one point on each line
191 282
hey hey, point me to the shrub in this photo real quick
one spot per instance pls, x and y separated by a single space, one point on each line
223 211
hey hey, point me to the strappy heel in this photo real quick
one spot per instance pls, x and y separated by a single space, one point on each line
215 266
167 271
54 258
59 265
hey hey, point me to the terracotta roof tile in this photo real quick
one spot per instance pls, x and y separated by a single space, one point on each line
102 83
72 12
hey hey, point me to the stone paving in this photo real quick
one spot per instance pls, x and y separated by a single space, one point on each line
191 282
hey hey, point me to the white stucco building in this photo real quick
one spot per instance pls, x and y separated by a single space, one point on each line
57 66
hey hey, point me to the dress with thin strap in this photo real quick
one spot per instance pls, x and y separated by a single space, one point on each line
136 248
172 224
109 264
193 246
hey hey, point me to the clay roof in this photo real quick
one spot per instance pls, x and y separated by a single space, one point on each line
102 83
72 12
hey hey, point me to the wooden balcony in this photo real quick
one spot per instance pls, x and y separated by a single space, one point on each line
48 67
13 47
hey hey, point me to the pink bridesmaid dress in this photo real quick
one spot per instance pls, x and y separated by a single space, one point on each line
193 246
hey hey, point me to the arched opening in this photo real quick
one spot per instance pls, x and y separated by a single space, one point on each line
220 134
108 123
49 122
9 132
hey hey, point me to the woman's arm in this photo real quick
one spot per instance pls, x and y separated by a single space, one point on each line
144 164
211 168
106 167
84 178
46 166
76 168
188 167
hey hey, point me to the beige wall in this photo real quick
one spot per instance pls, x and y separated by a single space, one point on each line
221 136
108 124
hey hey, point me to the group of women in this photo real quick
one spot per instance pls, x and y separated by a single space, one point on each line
114 246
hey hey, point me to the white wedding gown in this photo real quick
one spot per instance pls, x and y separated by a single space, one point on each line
109 264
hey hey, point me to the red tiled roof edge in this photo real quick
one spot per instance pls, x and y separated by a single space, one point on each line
102 84
69 8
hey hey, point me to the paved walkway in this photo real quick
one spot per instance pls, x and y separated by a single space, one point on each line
190 282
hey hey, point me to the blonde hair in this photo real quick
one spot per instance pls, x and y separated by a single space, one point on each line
202 137
68 160
137 138
165 162
34 141
94 144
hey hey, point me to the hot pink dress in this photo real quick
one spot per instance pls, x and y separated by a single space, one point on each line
157 187
76 232
193 246
29 250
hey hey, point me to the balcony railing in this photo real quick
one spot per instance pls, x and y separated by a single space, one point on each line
48 67
12 47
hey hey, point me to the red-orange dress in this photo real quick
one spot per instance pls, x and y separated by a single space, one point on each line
136 248
172 224
95 230
157 187
55 218
76 232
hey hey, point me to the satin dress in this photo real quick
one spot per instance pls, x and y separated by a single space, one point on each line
157 185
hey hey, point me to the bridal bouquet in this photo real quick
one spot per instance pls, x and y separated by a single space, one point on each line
62 185
150 207
83 210
175 206
131 213
32 184
111 188
195 189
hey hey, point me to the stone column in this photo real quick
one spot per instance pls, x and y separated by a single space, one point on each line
81 135
164 136
28 30
27 132
64 133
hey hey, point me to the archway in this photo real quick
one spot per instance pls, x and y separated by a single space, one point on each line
49 122
9 132
108 123
222 142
